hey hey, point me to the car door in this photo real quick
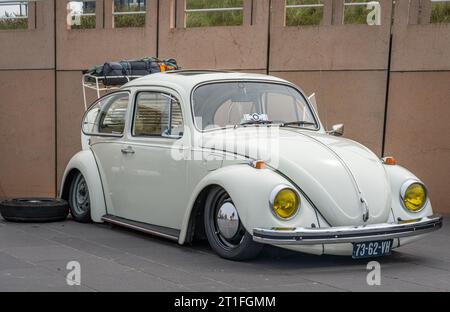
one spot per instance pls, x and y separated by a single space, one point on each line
153 173
105 124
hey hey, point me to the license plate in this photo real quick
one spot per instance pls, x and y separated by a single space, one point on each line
372 249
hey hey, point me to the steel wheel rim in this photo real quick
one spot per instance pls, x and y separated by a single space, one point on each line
80 196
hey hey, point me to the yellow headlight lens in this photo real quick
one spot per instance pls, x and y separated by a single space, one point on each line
286 203
415 197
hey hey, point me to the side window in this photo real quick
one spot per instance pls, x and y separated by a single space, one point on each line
157 114
107 116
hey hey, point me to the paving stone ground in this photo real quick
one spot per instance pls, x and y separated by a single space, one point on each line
33 257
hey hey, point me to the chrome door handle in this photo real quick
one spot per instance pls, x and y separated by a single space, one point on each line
127 150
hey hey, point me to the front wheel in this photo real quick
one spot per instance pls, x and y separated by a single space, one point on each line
79 201
224 230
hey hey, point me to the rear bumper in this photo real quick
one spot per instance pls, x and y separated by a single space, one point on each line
346 234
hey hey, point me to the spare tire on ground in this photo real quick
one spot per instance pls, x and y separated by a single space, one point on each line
34 209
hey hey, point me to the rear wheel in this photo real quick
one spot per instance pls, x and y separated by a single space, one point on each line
224 230
79 201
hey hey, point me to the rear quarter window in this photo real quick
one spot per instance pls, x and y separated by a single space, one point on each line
107 116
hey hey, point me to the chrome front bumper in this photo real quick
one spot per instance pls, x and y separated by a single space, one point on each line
347 234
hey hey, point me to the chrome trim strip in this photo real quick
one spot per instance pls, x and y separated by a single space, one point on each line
145 228
346 234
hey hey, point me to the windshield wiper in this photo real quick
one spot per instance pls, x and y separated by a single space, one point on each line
255 122
297 123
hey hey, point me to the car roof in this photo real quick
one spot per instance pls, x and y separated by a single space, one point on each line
190 78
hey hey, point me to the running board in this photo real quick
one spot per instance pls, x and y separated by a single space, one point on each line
161 231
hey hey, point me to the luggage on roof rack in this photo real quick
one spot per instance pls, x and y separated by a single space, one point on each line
112 75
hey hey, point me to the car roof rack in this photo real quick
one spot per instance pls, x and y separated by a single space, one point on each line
99 85
192 72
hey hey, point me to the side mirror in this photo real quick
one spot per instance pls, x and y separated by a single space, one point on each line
338 130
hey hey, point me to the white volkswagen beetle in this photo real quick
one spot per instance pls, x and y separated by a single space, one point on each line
243 160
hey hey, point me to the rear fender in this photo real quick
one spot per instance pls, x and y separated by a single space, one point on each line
85 163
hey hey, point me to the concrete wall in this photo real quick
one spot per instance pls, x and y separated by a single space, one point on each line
27 105
32 48
27 124
79 49
233 48
359 76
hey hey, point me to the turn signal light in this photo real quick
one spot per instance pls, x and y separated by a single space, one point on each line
258 164
391 161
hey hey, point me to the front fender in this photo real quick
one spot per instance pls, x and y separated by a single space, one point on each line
250 189
397 176
84 162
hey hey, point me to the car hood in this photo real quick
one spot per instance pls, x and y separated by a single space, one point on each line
344 180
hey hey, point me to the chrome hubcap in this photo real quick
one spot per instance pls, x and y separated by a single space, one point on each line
227 220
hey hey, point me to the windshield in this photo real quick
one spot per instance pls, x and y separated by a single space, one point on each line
225 104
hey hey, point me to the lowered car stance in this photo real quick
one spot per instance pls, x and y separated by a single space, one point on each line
241 160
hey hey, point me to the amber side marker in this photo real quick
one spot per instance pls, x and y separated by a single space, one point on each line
259 164
390 161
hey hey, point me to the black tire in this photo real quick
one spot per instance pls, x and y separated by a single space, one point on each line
34 209
241 246
79 200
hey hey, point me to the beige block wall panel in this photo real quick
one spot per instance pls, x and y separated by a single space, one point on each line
81 49
355 98
419 46
30 48
329 47
234 47
27 125
417 130
70 113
